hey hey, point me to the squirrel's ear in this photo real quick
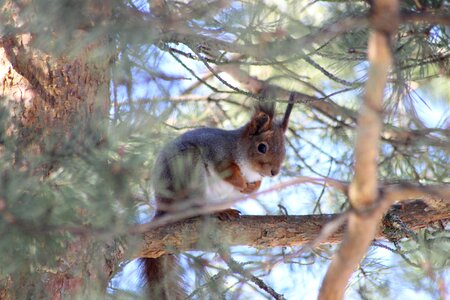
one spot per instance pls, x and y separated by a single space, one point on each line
262 117
260 122
287 113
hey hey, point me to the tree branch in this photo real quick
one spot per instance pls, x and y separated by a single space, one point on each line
363 191
271 231
391 134
268 49
239 269
425 17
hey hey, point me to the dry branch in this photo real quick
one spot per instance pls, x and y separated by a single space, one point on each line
270 231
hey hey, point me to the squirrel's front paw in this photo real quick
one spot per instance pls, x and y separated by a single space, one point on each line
229 214
251 187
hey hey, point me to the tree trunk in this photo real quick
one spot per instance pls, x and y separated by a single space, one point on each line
52 93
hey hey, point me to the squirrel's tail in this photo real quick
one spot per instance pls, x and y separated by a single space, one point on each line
163 278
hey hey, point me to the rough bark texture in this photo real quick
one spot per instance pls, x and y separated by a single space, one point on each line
276 231
52 93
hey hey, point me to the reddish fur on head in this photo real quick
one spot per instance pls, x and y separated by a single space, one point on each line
263 139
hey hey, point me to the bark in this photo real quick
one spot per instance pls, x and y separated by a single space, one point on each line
364 192
55 95
277 231
50 94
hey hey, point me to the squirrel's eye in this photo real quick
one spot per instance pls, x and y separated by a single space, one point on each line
262 148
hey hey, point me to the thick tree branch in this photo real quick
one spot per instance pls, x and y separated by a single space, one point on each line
437 197
363 191
272 231
425 17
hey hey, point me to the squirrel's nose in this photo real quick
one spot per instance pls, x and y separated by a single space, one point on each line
274 172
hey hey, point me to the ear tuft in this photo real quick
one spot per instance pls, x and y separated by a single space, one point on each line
267 107
287 113
259 123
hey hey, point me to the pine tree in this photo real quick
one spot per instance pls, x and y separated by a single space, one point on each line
91 90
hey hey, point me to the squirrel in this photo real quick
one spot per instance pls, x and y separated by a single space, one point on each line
211 164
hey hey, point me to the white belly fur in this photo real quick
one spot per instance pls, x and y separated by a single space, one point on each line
218 189
249 174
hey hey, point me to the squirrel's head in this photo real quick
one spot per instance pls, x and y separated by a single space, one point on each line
262 139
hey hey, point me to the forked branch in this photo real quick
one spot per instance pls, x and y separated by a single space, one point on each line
364 192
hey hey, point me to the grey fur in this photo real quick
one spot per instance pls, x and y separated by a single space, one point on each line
184 163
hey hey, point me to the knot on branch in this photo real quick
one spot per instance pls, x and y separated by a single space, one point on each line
394 228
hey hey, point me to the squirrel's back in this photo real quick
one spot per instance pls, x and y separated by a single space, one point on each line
214 144
186 167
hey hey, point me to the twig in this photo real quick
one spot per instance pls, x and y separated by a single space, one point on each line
237 268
